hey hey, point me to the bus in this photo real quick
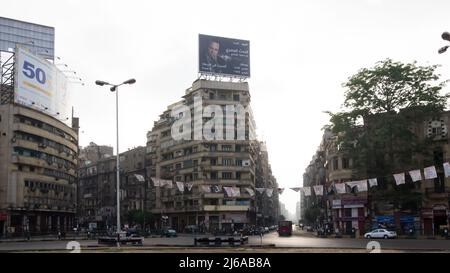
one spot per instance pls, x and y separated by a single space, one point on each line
285 228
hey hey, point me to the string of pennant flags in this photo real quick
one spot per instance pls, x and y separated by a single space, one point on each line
230 191
340 188
364 185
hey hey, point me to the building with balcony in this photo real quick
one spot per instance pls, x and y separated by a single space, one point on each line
422 206
207 166
267 207
97 189
38 155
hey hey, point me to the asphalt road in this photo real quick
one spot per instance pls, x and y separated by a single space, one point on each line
300 240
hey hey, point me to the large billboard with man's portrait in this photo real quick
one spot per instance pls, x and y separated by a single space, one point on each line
224 56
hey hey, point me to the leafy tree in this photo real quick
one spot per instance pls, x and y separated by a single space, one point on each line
139 217
311 214
374 128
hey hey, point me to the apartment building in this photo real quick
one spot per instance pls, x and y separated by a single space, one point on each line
217 172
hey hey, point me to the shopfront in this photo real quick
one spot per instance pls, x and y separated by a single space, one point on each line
349 213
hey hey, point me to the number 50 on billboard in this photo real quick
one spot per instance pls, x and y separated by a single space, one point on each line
39 83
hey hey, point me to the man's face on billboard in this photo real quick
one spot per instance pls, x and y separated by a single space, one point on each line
213 50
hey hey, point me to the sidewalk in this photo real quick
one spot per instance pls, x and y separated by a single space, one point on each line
311 234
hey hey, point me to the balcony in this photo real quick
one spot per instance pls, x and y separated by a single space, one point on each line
434 193
43 133
43 148
213 195
225 208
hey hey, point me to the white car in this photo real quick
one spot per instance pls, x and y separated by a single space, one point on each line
380 233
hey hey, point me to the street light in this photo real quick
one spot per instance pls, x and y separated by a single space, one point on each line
115 87
445 36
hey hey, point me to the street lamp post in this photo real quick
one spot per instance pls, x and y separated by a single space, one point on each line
115 88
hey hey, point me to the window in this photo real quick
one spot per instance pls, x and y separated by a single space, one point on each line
211 96
345 163
238 148
178 166
194 149
213 161
226 175
238 162
236 97
335 163
238 175
213 148
227 161
226 148
195 163
213 175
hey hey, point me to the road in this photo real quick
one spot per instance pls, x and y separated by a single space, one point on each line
300 240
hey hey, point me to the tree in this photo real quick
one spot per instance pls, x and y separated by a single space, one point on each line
311 214
381 104
139 217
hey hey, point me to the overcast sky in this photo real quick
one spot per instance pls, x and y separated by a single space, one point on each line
301 53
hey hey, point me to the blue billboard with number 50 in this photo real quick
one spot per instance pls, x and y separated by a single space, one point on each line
39 84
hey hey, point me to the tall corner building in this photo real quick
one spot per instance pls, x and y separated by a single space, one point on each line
210 167
38 140
38 156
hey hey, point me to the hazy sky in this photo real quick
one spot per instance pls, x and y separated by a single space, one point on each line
301 53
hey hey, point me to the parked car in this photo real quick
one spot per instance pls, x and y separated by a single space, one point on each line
309 228
381 233
191 229
169 232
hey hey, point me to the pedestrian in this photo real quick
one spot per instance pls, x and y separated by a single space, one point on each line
59 235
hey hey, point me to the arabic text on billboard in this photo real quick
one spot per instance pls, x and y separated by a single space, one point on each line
218 55
41 84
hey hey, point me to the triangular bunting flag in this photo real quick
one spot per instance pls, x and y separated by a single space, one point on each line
180 186
340 188
280 190
156 181
236 192
140 178
306 191
446 169
206 188
318 190
250 191
169 184
269 192
189 185
399 178
430 172
296 189
229 191
362 185
373 182
260 190
416 175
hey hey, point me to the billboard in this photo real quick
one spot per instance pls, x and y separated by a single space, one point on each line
224 56
38 83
